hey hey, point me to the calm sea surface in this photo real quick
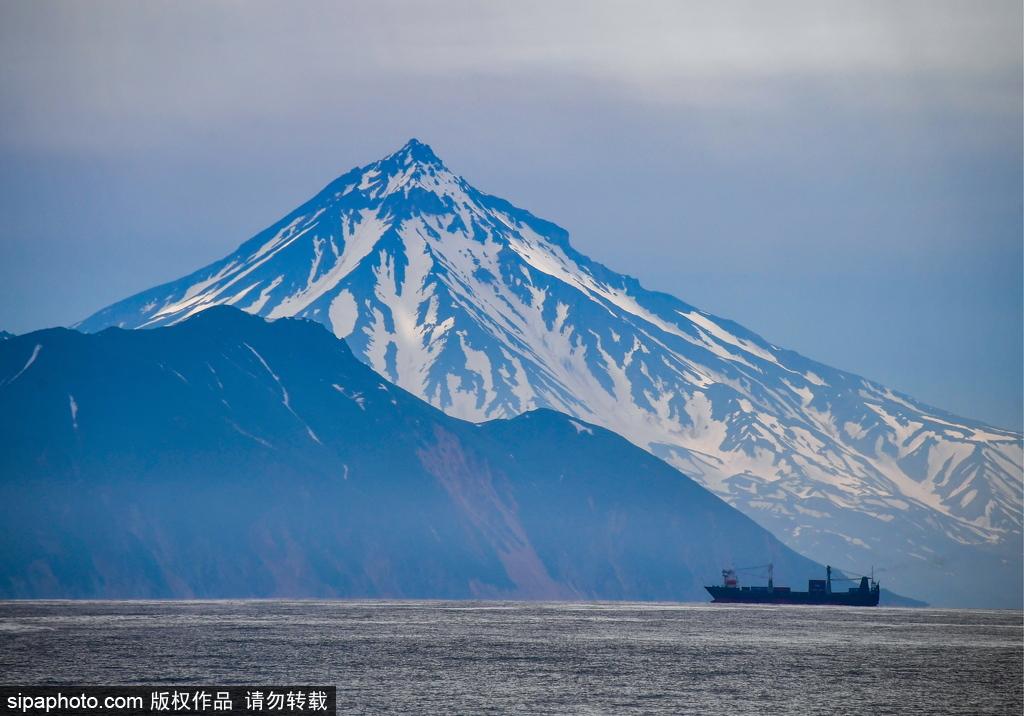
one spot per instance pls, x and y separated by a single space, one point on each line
494 657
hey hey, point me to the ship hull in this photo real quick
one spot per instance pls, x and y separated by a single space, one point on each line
735 595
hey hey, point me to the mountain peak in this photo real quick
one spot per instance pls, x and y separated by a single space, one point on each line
415 151
413 167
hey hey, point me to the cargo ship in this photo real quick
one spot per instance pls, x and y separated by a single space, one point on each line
819 591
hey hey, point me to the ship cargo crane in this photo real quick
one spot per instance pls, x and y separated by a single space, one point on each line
731 576
854 577
756 570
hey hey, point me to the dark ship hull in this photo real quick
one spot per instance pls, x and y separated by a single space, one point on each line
746 595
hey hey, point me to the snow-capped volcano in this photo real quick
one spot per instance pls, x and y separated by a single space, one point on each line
487 311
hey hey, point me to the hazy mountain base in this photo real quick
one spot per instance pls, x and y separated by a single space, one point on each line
231 457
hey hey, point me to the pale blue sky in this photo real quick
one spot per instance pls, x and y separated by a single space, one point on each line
843 178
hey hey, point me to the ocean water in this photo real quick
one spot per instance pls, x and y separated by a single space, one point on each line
511 657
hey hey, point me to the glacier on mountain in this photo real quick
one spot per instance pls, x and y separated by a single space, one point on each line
488 311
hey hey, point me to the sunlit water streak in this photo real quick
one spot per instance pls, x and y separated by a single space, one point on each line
467 657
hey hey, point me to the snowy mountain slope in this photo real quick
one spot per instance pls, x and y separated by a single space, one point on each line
229 456
487 311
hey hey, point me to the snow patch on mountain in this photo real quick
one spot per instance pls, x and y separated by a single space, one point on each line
28 363
73 407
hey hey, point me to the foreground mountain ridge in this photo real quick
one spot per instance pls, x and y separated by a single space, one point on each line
229 456
487 311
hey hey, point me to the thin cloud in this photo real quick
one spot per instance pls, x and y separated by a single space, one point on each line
65 64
